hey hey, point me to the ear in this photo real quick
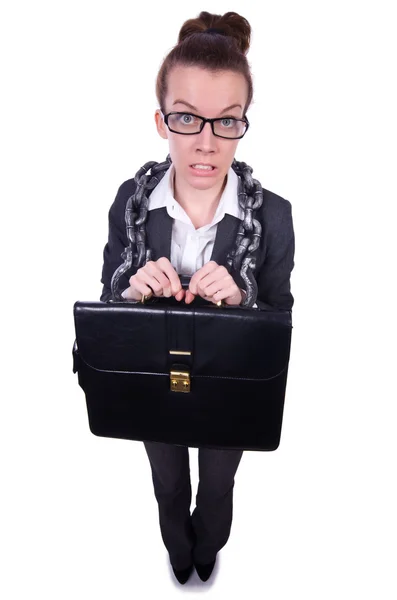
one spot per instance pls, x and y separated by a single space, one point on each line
161 126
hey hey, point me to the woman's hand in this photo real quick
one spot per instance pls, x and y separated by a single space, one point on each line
213 282
158 277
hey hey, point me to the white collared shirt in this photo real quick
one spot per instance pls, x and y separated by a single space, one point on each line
192 248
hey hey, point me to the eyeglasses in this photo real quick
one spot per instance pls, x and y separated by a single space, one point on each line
190 124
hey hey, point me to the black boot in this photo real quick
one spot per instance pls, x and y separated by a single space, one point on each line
183 575
204 571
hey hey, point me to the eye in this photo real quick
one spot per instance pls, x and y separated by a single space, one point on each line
186 118
228 122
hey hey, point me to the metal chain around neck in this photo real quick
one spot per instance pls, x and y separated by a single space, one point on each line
239 259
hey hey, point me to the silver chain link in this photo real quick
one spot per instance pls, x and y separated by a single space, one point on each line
240 258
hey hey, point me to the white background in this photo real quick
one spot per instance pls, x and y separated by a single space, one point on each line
314 520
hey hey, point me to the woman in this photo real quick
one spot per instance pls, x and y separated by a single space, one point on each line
193 216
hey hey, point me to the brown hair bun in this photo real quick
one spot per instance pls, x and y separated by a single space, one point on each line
231 24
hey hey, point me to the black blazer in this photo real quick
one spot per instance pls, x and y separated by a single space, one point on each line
274 257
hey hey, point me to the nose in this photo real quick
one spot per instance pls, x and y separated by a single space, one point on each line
206 140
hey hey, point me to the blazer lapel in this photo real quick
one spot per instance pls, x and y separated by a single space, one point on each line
225 239
159 231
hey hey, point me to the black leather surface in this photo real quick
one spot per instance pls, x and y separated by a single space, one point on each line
238 365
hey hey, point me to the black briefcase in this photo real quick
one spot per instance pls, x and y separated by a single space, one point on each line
193 375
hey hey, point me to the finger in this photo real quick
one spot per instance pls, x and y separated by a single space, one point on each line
215 275
225 293
175 283
158 282
189 297
141 288
200 274
180 295
166 274
212 288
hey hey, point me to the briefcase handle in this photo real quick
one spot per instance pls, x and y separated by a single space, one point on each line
185 281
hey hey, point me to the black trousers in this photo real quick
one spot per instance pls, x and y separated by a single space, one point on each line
199 536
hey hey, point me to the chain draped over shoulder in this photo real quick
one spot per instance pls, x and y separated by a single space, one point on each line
240 258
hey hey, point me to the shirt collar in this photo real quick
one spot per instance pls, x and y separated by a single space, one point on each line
163 196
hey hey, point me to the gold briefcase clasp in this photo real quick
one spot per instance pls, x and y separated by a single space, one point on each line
180 381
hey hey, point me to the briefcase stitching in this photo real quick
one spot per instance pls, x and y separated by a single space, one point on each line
193 376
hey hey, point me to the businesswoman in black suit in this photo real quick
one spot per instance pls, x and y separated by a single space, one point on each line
204 89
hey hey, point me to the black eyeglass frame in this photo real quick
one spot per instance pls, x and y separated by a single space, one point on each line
204 121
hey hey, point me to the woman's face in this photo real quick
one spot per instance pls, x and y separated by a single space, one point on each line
196 90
